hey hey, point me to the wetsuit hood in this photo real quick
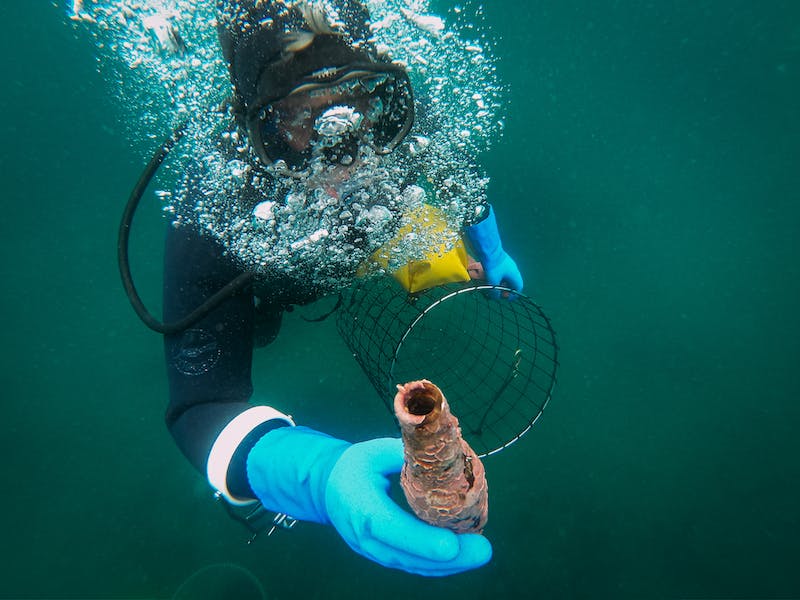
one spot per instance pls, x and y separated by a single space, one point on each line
268 46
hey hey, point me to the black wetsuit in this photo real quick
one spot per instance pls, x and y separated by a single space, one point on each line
208 365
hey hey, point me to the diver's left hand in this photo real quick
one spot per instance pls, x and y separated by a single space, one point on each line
498 267
505 272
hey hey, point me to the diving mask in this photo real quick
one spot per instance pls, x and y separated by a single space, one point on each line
332 112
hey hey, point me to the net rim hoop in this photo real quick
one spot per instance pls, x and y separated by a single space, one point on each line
473 288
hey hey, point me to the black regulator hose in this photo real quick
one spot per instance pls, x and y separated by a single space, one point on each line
201 311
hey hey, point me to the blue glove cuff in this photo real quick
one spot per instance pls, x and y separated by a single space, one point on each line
484 237
498 266
288 471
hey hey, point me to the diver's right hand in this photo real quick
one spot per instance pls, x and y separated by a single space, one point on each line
371 523
314 477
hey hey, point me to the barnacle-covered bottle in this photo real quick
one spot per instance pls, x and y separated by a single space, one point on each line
442 477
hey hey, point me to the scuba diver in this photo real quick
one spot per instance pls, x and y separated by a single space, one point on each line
312 101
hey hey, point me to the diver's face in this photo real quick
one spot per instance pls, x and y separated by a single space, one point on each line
330 122
299 117
327 130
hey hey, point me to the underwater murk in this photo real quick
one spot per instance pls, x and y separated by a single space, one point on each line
646 180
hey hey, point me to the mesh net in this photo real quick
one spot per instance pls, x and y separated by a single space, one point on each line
495 360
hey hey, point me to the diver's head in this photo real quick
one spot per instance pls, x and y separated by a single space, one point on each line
308 82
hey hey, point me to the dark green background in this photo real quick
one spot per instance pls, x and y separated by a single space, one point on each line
647 185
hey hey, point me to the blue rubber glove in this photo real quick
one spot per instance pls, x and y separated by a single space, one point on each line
499 267
314 477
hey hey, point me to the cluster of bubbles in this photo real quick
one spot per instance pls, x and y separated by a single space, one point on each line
454 76
303 227
322 226
161 58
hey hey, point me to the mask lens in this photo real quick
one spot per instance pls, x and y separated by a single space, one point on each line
393 104
292 125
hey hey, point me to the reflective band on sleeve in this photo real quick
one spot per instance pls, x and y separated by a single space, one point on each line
228 441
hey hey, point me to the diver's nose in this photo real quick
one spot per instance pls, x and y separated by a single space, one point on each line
338 121
337 133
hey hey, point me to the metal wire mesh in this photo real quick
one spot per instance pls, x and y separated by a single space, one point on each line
495 360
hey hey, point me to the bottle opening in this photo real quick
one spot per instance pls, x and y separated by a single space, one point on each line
420 404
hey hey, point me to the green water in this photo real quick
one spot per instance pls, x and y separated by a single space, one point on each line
647 185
